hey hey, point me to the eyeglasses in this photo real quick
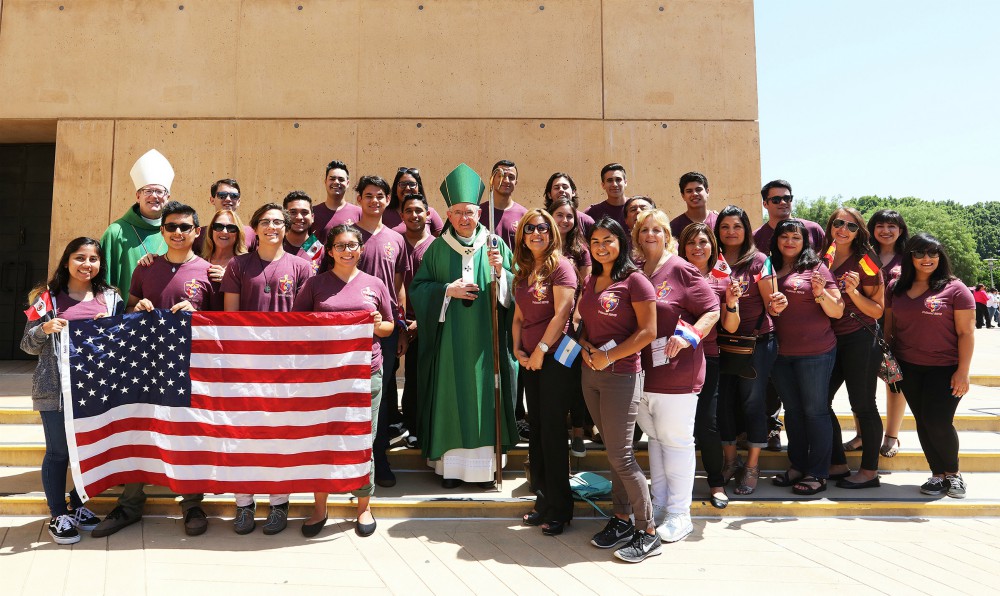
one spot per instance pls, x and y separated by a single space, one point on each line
269 223
465 214
542 228
183 228
227 195
930 252
221 227
154 192
408 183
344 246
779 200
851 226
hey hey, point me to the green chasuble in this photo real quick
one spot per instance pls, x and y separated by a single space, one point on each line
455 372
127 240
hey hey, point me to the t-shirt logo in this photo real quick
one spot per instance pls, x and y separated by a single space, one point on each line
369 295
934 304
539 292
285 285
744 285
842 282
192 289
348 222
609 302
389 250
663 290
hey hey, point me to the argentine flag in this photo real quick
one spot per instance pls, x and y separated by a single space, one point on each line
567 351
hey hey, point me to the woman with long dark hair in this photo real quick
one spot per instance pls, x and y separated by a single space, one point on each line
77 291
930 324
618 309
740 395
858 353
544 293
408 182
807 348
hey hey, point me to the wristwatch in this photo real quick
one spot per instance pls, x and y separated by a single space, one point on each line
544 347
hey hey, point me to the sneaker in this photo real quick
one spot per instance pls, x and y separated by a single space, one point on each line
85 519
523 431
397 434
935 486
116 520
616 532
195 521
577 448
676 527
659 514
63 530
244 523
956 486
412 442
641 546
277 519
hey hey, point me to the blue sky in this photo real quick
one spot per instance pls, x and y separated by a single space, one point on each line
884 97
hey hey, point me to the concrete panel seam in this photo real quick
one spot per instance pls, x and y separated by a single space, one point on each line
111 174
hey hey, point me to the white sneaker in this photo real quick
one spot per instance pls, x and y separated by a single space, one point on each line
676 527
659 514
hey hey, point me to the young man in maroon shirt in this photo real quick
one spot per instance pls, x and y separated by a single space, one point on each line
335 209
694 191
613 181
506 211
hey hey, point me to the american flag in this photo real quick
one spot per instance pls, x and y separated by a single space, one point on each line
219 402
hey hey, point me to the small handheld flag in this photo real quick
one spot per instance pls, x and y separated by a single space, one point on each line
831 254
869 266
766 271
687 331
721 268
313 247
567 351
39 307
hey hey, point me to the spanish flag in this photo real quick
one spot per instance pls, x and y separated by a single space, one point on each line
869 266
831 254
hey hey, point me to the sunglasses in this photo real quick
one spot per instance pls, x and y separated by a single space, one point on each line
227 195
542 228
183 228
406 170
221 227
851 226
779 200
930 252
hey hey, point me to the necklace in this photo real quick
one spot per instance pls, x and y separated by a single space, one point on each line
263 271
174 266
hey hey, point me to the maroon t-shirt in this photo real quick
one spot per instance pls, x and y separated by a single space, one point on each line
537 304
817 237
73 310
892 269
924 327
414 255
504 220
751 302
682 221
165 288
615 212
325 218
328 293
719 286
585 225
302 254
610 315
384 256
248 275
249 236
682 292
846 324
581 260
394 221
804 328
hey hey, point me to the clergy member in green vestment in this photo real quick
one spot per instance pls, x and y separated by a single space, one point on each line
450 295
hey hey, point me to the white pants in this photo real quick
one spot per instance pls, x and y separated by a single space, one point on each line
245 499
668 419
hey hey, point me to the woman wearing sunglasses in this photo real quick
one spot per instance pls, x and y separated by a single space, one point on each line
858 353
408 182
930 324
807 299
544 292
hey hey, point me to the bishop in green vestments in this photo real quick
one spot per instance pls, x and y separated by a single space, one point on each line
450 295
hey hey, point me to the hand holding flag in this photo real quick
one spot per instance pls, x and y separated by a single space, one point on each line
38 308
721 269
831 254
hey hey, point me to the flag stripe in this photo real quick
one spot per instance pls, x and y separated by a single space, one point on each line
280 375
284 389
301 485
269 334
286 362
223 446
192 429
278 347
229 474
248 460
283 404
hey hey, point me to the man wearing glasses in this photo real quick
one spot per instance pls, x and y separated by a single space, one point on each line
506 211
226 195
137 233
777 196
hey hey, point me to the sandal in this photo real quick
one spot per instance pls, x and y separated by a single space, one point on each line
730 469
801 488
785 478
748 483
532 518
853 445
887 451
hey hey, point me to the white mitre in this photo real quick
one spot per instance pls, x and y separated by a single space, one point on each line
152 168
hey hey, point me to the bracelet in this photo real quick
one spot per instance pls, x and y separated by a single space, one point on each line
733 309
819 298
771 311
608 358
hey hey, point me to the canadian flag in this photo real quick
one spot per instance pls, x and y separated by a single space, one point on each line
721 268
42 305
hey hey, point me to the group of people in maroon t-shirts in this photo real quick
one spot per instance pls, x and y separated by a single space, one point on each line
644 296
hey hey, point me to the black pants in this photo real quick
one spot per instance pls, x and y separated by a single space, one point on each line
858 359
772 406
982 316
706 431
548 400
928 393
410 393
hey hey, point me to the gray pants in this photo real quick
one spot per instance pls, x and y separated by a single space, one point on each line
134 498
613 401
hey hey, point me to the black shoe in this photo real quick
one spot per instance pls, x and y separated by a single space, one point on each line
532 518
845 483
840 475
311 530
365 530
385 478
721 500
397 434
487 485
773 443
277 519
523 431
613 534
554 528
451 483
412 442
63 530
195 521
116 520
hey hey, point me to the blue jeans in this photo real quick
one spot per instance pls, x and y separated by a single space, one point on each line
803 383
749 395
55 463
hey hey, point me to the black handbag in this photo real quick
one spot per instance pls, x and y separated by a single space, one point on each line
889 370
736 352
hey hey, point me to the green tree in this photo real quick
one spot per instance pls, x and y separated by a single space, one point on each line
818 209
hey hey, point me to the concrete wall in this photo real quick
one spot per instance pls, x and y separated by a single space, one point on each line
268 91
